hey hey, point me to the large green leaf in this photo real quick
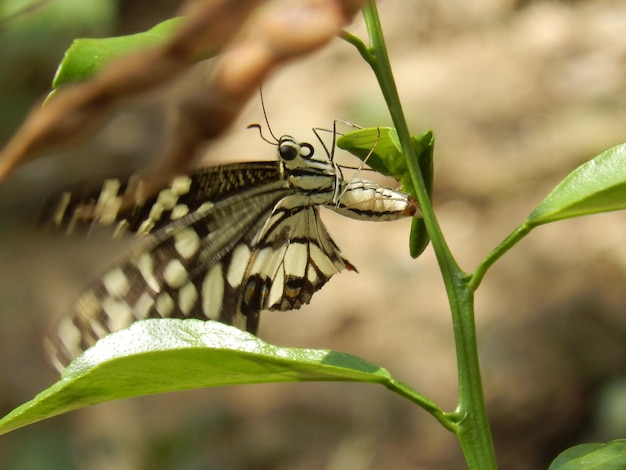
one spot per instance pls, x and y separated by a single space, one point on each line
611 456
380 148
164 355
594 187
85 57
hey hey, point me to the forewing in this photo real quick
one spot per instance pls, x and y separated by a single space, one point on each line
179 271
119 201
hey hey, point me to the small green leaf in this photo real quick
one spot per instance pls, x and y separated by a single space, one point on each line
380 148
165 355
85 57
424 145
594 187
611 456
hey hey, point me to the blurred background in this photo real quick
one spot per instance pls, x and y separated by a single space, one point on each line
518 93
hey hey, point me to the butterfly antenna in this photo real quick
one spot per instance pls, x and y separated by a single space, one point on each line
267 122
258 126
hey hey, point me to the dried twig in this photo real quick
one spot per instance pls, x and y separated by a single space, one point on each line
274 34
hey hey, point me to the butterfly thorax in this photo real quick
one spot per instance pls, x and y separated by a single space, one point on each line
314 176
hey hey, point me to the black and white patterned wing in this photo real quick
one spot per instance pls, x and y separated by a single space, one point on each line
293 258
82 208
181 270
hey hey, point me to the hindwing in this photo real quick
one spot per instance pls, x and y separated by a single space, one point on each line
293 258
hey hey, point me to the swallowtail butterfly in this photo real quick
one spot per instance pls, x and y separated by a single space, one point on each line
221 243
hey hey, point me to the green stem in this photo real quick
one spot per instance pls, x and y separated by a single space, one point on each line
423 402
470 418
515 236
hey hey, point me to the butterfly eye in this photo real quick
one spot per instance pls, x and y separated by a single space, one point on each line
288 151
306 150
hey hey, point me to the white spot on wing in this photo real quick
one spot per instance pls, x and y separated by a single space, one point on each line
145 227
205 206
143 306
145 264
166 199
116 283
119 313
156 211
268 261
322 261
120 228
311 275
87 306
238 265
213 292
296 259
70 336
175 274
109 202
276 291
164 304
181 185
187 297
186 242
179 211
262 258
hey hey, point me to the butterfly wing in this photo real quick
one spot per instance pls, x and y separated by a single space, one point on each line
294 257
181 270
120 203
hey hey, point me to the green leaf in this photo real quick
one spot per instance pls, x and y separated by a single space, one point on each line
85 57
611 456
380 148
594 187
39 22
165 355
424 145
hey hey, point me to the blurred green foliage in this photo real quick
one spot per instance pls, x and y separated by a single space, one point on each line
33 41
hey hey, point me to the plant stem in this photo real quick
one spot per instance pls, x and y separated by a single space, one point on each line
470 418
515 236
423 402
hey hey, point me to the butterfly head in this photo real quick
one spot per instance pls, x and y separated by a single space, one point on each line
317 175
300 157
289 149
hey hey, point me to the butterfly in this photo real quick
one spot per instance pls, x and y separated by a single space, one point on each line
220 243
